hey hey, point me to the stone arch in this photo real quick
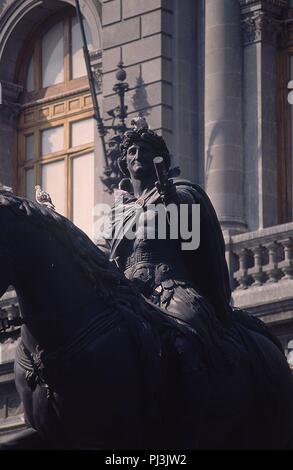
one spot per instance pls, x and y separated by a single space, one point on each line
18 19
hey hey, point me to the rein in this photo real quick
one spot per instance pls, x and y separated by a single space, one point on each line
35 362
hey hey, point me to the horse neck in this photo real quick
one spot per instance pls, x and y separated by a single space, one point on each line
56 298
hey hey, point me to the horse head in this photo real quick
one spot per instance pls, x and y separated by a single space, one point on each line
56 270
74 333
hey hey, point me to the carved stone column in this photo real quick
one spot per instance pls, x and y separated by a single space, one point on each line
262 29
224 171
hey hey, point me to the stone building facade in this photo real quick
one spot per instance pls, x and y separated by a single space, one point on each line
210 75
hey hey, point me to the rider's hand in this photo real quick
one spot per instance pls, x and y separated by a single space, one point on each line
168 192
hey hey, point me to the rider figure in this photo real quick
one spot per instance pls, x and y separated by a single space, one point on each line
175 279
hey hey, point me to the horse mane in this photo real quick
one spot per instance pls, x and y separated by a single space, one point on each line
93 262
104 275
106 278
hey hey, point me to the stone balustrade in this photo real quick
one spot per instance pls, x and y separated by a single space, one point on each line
9 305
9 309
261 276
260 258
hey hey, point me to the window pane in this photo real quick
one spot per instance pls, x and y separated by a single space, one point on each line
78 67
53 56
53 182
29 146
82 132
30 82
52 140
83 192
29 184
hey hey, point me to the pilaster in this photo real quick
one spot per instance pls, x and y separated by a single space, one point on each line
224 166
262 32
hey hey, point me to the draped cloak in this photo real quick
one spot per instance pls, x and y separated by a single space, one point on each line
207 264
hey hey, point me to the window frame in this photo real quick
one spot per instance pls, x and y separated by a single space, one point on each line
34 46
66 154
39 107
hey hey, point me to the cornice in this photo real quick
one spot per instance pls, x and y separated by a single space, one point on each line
10 94
11 90
96 55
261 27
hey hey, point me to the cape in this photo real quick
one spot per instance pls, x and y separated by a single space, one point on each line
208 263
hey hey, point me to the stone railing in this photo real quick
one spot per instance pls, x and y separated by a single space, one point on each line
261 276
261 257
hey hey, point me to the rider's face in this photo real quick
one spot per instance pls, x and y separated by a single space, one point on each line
139 159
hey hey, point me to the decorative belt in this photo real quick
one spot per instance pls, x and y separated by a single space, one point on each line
145 257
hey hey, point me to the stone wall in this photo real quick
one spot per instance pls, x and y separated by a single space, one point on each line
140 34
157 42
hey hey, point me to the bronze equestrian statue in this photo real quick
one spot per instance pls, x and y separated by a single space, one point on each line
151 346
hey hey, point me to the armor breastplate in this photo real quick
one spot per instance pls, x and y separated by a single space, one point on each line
155 261
148 260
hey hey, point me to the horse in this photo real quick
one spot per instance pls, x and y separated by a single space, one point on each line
100 367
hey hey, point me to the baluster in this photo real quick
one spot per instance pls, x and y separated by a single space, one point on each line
13 311
257 271
287 265
241 275
271 268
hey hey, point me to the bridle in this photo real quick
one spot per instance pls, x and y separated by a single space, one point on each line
35 362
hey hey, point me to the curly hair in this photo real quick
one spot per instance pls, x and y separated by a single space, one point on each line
145 135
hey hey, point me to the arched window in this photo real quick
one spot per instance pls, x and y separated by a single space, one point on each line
55 144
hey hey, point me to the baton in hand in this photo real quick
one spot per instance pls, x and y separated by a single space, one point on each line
162 175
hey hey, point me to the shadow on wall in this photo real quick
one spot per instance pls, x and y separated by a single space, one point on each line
139 99
217 129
